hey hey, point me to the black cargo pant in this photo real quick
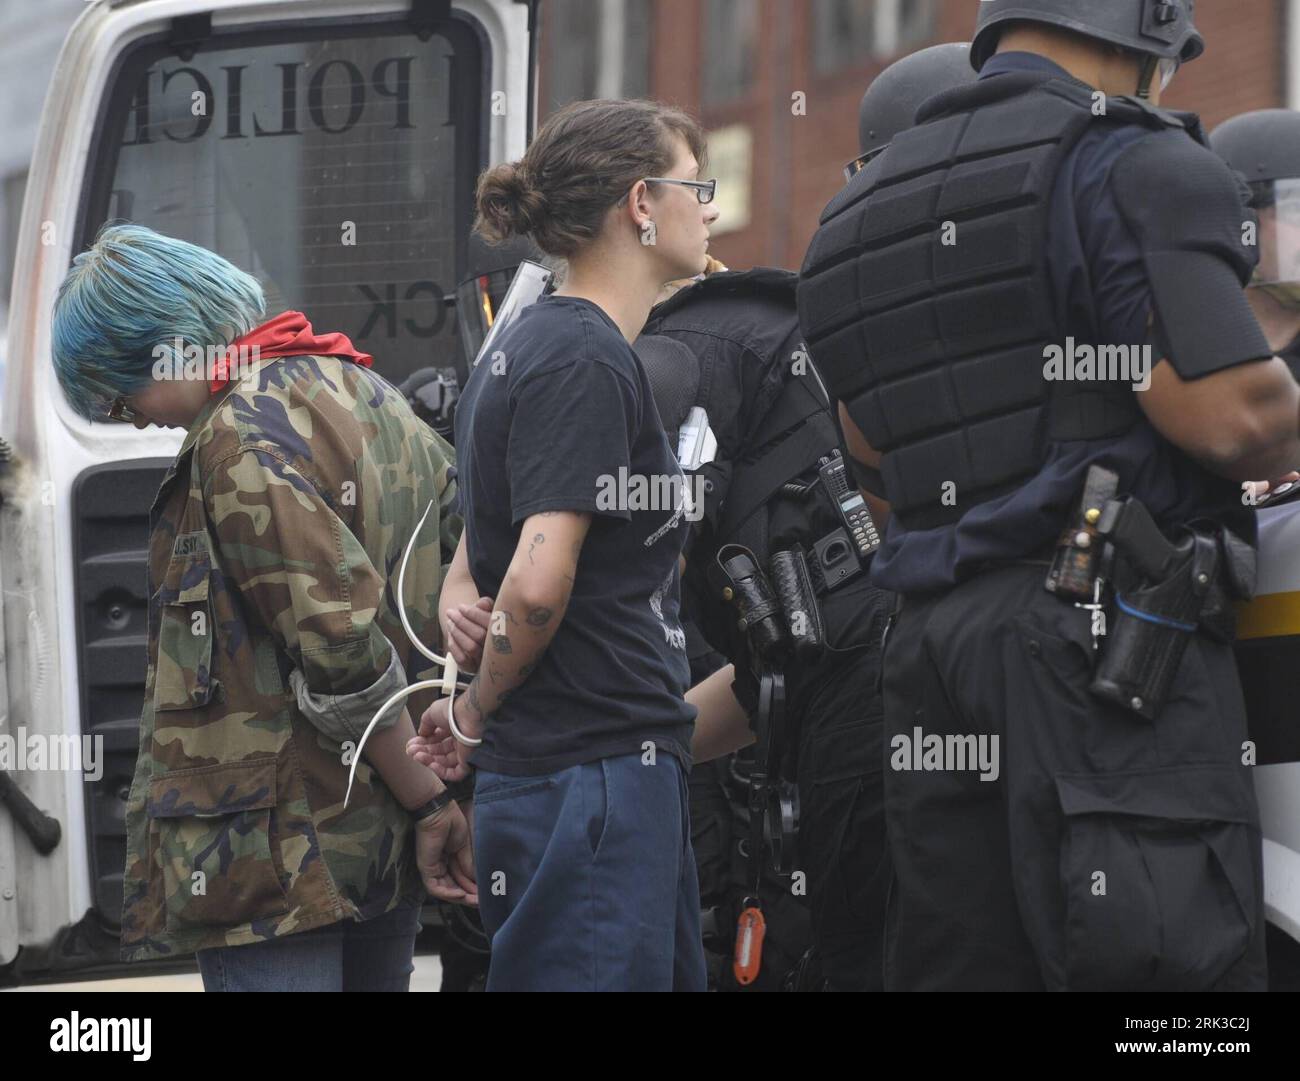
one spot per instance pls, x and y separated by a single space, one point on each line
1110 852
841 845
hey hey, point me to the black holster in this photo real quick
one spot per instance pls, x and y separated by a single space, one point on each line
1163 593
746 588
771 632
794 589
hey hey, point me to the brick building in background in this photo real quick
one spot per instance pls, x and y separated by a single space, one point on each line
739 65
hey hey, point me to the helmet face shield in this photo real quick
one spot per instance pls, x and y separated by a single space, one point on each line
527 283
1278 205
1169 66
862 161
487 303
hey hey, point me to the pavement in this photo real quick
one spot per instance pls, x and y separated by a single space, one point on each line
426 977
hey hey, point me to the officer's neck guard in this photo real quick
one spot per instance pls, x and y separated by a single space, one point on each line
1125 108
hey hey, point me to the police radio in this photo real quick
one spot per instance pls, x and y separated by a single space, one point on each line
849 502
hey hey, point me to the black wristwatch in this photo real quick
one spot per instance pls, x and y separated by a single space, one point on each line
428 810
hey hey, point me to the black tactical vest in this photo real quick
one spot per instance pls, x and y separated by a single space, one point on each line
927 305
762 491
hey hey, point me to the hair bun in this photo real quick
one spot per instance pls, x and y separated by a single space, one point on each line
507 202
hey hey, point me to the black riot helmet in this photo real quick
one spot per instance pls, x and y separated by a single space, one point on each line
889 106
1162 30
1264 147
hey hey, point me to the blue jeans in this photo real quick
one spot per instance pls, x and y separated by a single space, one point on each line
587 879
373 955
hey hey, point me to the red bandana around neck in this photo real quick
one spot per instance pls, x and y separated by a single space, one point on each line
287 335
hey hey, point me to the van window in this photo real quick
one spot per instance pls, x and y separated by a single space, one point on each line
335 166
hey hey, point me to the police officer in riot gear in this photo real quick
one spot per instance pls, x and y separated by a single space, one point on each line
1264 147
1031 307
890 103
888 107
730 344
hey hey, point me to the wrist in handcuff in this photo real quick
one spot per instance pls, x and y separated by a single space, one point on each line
434 807
472 729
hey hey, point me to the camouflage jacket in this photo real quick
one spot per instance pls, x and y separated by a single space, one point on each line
274 636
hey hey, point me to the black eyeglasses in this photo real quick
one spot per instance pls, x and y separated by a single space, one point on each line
704 189
119 410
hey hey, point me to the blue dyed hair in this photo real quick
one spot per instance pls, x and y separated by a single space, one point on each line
131 291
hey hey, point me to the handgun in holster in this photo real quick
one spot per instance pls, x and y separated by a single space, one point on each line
1164 591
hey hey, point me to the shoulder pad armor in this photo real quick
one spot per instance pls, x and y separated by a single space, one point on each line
1184 207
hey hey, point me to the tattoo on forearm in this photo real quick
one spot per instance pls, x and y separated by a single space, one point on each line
538 538
494 674
501 643
539 617
472 695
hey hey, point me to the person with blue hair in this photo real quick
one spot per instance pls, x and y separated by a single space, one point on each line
126 298
274 632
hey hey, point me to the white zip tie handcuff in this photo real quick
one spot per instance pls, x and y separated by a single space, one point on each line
447 684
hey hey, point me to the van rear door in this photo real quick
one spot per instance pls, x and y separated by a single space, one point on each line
329 147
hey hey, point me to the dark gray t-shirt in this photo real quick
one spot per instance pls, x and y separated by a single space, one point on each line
561 418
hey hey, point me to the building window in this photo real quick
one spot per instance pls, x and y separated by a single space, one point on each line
729 42
915 24
11 209
730 160
596 49
849 33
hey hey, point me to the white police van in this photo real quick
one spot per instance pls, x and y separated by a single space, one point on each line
330 147
1268 655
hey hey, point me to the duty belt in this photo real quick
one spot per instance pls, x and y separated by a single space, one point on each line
1147 594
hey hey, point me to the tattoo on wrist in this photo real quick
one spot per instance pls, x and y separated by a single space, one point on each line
472 695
